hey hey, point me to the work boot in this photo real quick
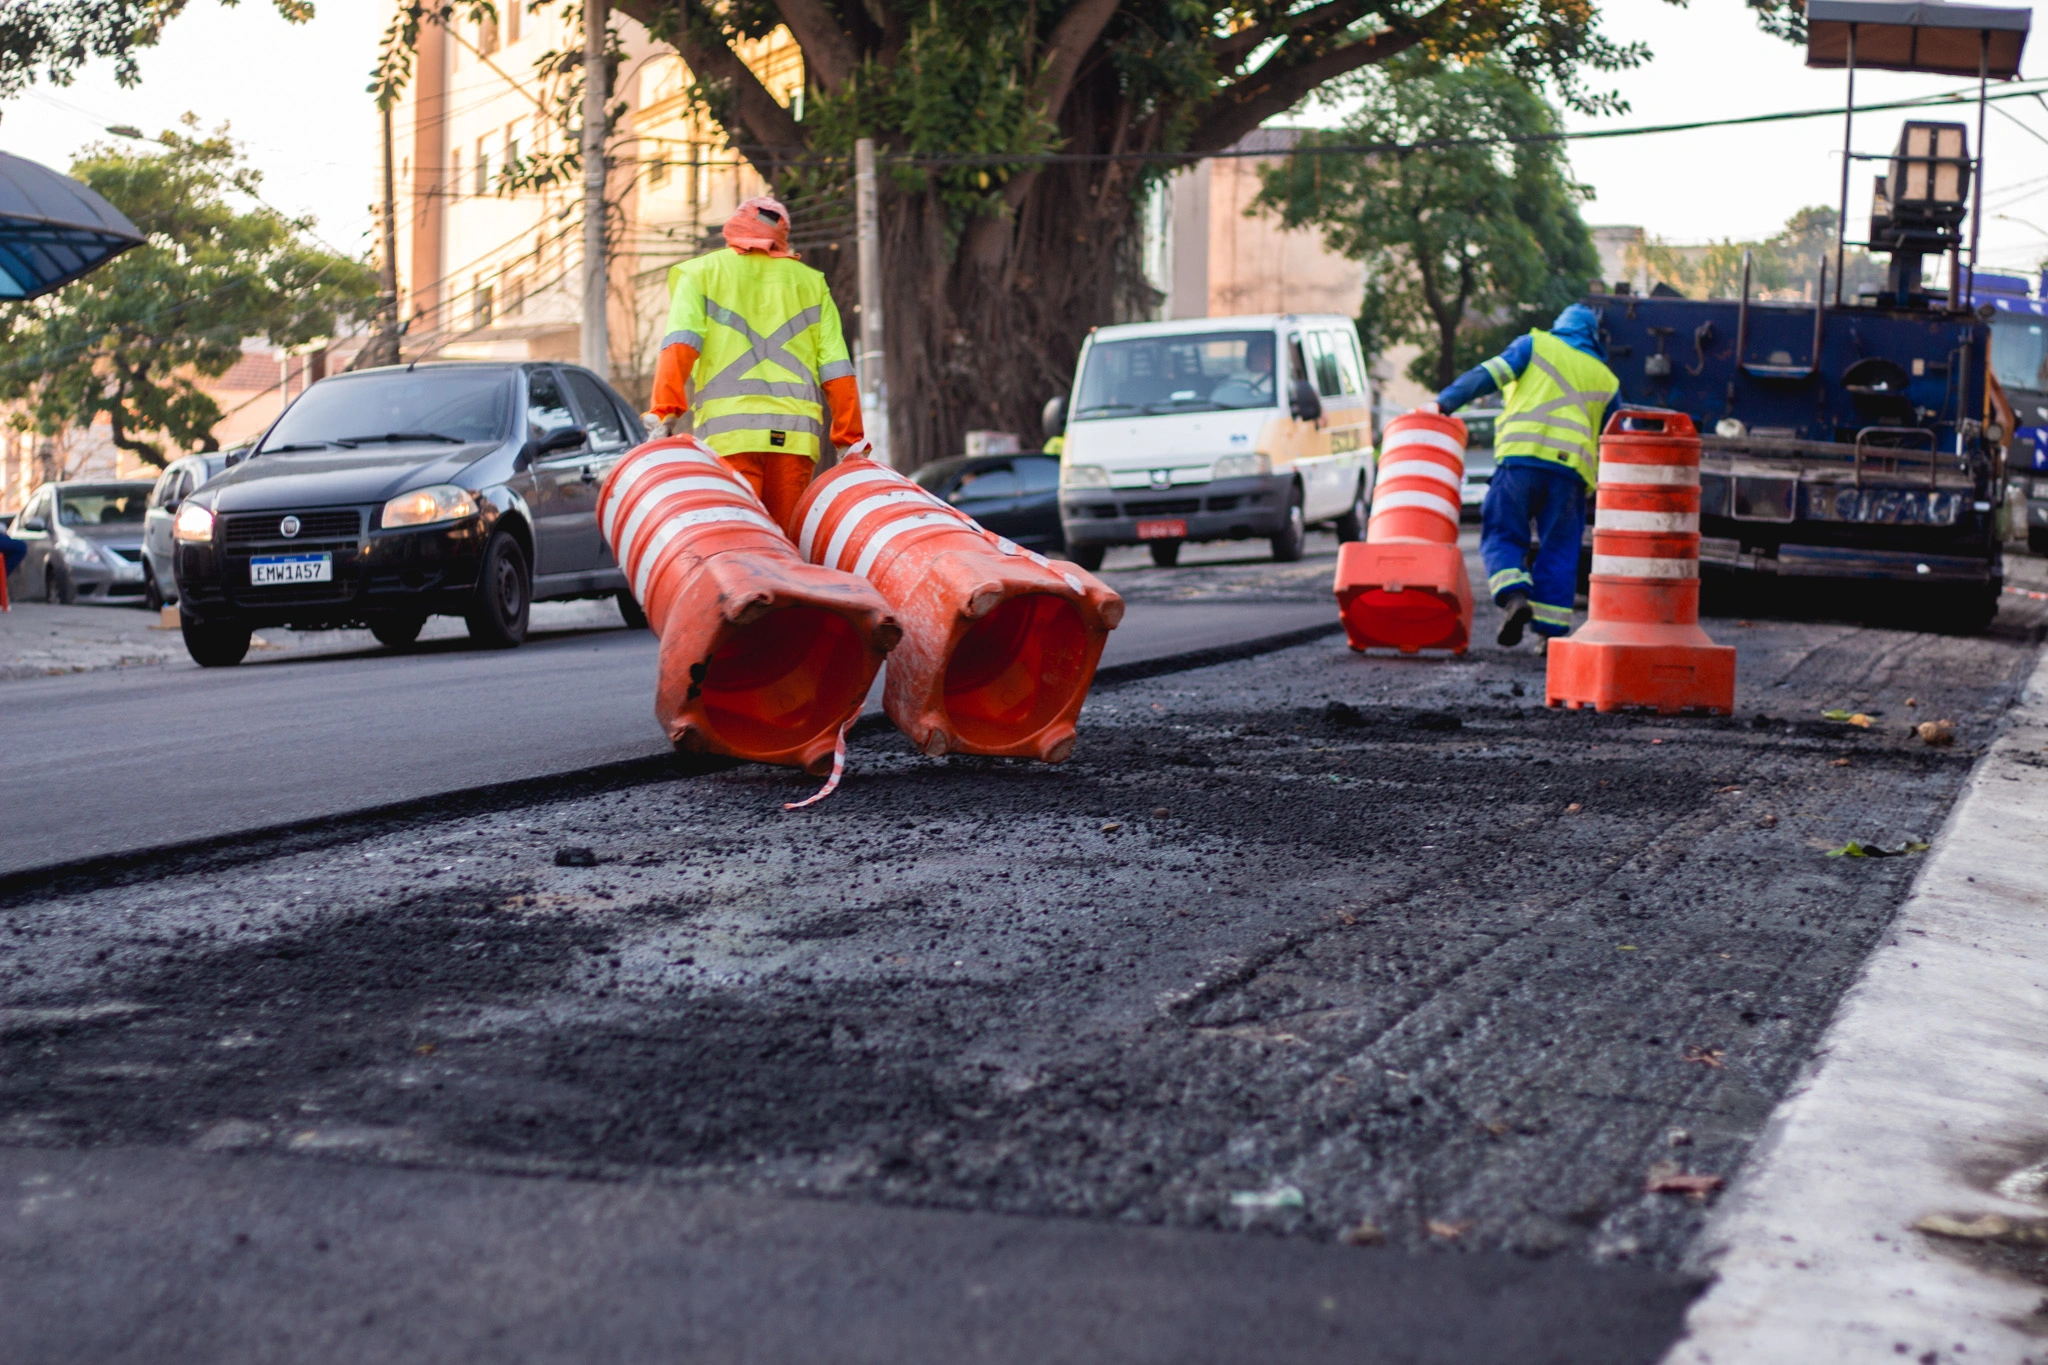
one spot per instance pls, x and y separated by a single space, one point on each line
1519 615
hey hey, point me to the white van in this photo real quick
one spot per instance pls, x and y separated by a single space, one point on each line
1214 429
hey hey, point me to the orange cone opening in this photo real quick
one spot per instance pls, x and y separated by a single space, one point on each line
783 679
1016 669
1408 621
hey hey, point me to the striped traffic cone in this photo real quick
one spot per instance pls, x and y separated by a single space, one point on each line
1404 586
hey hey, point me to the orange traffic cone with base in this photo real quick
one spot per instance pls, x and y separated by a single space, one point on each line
1642 644
999 644
1404 586
763 656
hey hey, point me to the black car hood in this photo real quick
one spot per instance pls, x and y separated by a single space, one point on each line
332 478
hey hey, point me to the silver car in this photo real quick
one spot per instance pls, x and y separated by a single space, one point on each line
84 541
180 479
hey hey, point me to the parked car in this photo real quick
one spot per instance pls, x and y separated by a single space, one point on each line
1478 460
179 480
1214 429
1017 496
84 541
382 497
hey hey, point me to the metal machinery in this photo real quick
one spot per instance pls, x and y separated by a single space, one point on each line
1854 438
2019 360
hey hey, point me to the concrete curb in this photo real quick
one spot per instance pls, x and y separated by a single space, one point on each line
1929 1089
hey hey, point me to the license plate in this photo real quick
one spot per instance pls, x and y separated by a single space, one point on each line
268 569
1163 530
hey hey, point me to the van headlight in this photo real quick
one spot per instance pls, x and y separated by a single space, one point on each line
1083 476
1242 466
425 506
194 524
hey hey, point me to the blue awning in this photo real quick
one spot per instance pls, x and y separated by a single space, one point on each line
53 229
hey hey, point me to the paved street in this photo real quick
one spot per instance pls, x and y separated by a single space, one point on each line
1337 1003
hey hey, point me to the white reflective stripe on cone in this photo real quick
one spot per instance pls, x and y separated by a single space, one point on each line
682 460
703 516
1609 519
1420 469
1436 440
1393 502
1637 566
879 539
644 505
1683 475
816 516
867 507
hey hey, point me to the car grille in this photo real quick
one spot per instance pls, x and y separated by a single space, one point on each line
1163 507
251 528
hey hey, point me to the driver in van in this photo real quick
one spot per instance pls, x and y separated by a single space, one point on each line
1546 451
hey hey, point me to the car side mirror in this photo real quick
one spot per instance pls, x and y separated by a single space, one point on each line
34 524
1054 418
568 438
1304 402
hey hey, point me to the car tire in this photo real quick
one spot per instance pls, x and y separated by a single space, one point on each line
58 589
1293 538
2037 539
152 595
1088 557
215 644
635 618
1165 553
398 630
1351 526
498 612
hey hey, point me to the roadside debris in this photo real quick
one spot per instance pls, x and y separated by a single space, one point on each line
1160 812
1988 1227
1363 1233
1855 718
575 857
1767 822
1280 1197
1912 701
1706 1056
1668 1177
1112 827
1856 848
1450 1232
1679 1137
1940 733
1839 763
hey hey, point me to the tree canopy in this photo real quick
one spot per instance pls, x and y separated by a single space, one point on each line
52 39
1463 244
1785 264
130 341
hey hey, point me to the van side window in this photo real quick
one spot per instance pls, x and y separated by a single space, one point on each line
1349 361
1323 353
1297 364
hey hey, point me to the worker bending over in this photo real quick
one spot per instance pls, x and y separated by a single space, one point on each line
754 363
1546 450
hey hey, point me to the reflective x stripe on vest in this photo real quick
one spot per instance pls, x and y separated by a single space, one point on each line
768 337
1553 410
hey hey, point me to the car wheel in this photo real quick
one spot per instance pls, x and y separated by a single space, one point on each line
1288 545
215 644
398 630
635 618
1088 557
2037 539
152 595
1165 553
504 595
1351 526
57 585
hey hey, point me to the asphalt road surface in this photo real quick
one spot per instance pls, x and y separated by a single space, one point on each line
1320 1008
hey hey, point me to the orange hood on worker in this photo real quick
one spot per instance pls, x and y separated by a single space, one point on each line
760 224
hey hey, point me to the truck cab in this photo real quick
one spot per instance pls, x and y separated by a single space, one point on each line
1204 429
2019 359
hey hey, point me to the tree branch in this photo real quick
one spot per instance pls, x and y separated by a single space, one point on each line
829 52
1244 42
770 125
1071 39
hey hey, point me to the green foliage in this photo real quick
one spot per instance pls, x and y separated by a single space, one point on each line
1786 264
52 39
1467 240
129 341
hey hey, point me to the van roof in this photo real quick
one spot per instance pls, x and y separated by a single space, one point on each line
1247 322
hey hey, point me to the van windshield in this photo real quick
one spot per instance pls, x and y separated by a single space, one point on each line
1186 372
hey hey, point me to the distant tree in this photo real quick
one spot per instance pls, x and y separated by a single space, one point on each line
130 341
1466 239
52 39
1786 264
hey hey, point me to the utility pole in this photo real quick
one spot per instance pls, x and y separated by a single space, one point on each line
596 337
873 363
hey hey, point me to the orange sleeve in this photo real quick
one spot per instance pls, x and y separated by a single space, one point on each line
671 374
842 396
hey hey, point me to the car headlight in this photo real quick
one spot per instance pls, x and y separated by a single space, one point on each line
79 550
1083 476
194 524
1242 466
425 506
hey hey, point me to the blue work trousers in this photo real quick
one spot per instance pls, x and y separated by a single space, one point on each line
1551 499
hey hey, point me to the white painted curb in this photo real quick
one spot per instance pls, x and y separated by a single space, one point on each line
1929 1086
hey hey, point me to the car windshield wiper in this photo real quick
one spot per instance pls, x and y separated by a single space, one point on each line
296 445
1109 407
390 436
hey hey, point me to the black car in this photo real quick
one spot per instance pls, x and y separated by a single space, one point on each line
386 496
1013 495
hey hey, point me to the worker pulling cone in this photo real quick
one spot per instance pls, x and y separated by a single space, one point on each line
1000 644
1404 586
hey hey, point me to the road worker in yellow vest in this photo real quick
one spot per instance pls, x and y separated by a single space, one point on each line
1546 451
753 361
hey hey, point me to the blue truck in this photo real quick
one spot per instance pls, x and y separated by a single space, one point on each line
2019 360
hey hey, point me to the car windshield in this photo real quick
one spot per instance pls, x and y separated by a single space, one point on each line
113 504
2018 355
1190 372
936 473
443 405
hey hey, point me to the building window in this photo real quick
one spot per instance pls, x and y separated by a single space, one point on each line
512 8
515 297
483 168
455 172
481 310
657 170
511 145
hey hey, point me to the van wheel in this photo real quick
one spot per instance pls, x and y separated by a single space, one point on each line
1351 526
1088 557
1166 553
504 596
1293 538
215 644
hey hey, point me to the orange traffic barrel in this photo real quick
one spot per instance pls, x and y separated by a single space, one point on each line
999 644
763 656
1642 644
1404 586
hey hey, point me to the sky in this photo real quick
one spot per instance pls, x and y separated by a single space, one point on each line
294 95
